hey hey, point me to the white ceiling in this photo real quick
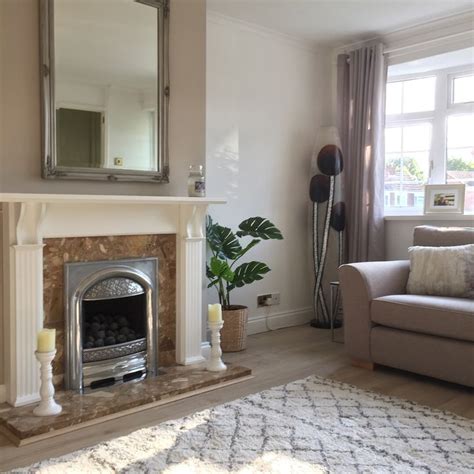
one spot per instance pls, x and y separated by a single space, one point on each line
337 22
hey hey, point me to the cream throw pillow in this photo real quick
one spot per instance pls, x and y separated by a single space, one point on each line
442 271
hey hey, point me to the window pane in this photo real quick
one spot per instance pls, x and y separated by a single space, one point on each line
416 167
407 151
460 155
392 179
419 95
393 103
393 139
405 176
460 131
463 89
417 137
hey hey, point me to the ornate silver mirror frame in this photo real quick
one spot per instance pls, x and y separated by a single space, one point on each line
50 167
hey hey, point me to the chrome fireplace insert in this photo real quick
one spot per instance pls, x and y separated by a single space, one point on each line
111 322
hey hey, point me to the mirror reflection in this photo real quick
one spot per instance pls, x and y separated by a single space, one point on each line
106 75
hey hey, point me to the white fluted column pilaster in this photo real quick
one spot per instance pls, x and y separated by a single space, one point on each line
24 304
190 266
27 305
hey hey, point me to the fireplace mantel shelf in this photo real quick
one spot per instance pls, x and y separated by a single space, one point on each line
105 199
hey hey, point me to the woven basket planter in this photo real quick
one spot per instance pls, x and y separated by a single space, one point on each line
234 331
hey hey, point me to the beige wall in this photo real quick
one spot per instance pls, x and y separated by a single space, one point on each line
20 128
266 97
20 102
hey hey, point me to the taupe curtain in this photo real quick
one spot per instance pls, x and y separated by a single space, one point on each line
361 79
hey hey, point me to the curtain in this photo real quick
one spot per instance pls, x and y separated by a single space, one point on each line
361 80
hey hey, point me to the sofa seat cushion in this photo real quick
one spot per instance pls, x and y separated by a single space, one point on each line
436 315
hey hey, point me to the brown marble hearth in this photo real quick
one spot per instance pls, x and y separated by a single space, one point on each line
59 251
22 427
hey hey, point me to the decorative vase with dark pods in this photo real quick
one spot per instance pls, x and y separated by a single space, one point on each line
328 219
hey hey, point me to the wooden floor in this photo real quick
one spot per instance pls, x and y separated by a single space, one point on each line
275 358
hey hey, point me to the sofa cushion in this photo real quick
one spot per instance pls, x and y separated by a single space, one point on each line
435 315
442 271
442 236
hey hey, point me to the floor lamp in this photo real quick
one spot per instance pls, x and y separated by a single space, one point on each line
328 215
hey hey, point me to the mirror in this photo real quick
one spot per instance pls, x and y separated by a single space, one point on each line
105 89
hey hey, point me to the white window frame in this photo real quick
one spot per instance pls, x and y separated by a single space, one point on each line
443 108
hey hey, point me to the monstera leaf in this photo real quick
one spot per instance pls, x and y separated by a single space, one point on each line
222 241
248 273
220 269
259 227
211 277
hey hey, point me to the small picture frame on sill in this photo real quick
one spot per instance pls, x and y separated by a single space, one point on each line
444 198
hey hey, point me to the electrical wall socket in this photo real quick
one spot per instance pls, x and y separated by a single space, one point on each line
269 299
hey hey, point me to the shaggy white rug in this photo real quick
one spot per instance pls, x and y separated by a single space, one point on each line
307 426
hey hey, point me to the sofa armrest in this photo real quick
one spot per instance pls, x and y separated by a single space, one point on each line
360 284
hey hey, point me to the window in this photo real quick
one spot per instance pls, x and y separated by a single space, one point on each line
429 135
463 89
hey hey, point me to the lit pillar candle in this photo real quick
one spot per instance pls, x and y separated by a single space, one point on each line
46 340
214 314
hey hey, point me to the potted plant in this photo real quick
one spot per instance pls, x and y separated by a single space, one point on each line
224 274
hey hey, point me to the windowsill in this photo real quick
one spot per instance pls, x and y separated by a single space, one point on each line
431 217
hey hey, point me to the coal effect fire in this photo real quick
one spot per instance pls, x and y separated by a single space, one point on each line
106 330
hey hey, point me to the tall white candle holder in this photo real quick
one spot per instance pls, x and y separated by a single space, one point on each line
215 363
47 405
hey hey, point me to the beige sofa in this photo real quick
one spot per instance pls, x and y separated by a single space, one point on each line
429 335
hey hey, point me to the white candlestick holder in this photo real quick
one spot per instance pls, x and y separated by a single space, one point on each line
215 363
47 405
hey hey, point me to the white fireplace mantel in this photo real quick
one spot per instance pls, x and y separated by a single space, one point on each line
29 218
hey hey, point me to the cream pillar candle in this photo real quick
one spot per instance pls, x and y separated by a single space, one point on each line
214 314
46 340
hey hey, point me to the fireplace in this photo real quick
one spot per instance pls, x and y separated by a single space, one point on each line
44 231
111 322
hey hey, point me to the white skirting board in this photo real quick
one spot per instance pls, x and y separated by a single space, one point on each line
281 320
3 394
257 324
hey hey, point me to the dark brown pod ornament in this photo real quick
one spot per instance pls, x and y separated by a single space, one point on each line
330 160
319 188
338 216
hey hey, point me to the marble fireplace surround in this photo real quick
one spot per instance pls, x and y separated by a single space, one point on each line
58 251
30 219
